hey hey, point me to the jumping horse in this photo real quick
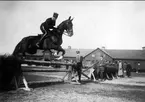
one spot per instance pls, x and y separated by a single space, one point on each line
28 44
53 42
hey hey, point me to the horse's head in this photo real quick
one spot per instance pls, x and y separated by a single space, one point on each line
66 27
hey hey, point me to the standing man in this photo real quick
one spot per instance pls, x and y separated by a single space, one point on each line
46 27
128 69
102 68
79 60
120 69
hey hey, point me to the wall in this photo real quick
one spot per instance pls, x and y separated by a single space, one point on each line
95 55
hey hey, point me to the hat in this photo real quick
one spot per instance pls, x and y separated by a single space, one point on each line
55 14
77 52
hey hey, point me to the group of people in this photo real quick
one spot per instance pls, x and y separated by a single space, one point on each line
124 67
107 70
102 70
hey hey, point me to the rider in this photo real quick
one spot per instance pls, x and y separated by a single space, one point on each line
46 26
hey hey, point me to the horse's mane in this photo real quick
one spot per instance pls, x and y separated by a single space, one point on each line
61 23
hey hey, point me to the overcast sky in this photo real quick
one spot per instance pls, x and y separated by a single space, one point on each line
113 24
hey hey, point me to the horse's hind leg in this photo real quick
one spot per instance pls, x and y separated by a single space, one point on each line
60 49
23 55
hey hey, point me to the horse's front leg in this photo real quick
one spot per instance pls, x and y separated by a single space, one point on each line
60 49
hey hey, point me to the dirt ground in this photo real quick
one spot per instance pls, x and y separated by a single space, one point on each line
116 90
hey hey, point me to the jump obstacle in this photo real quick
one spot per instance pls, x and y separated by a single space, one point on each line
44 66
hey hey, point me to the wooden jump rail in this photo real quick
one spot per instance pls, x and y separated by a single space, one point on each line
25 69
41 69
45 62
45 68
36 62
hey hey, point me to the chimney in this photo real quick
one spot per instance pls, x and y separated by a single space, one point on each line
103 48
69 47
143 48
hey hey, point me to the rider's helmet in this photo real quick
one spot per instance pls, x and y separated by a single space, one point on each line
55 15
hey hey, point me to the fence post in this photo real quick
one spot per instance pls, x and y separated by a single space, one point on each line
70 68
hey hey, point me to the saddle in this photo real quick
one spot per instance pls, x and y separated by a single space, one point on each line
52 35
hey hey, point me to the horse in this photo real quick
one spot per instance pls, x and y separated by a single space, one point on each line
28 44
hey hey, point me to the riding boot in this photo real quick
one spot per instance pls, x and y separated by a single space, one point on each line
38 43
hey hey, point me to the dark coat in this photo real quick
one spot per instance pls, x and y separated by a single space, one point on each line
128 67
49 23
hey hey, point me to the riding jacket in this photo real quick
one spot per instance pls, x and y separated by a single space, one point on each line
49 23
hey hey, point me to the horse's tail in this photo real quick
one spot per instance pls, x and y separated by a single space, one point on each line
21 47
18 47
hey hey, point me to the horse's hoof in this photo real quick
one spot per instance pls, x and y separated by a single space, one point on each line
55 54
78 83
26 89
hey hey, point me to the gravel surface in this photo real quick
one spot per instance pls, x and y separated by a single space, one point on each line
88 91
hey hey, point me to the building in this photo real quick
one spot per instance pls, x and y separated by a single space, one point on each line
135 57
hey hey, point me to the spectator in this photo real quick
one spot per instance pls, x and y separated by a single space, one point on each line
101 68
120 69
116 67
128 70
79 65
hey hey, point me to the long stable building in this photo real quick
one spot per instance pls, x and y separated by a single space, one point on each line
135 57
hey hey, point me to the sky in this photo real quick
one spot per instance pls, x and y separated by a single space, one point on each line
112 24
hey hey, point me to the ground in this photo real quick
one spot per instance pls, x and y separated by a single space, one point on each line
116 90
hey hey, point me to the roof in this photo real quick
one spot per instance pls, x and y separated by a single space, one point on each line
126 54
72 52
69 52
114 53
